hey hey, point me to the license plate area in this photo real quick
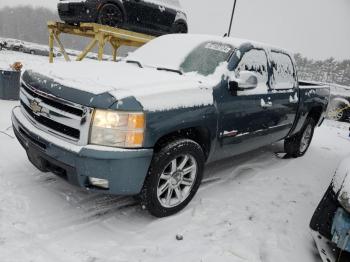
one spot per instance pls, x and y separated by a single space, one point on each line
341 230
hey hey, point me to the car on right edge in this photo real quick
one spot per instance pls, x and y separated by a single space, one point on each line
330 224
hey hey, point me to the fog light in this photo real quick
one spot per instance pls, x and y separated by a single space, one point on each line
98 182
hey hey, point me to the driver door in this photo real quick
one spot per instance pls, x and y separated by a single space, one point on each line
246 115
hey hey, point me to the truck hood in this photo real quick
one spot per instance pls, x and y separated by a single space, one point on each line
103 84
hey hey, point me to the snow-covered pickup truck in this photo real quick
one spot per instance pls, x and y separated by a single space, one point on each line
147 124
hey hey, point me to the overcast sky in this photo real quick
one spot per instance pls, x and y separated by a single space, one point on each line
316 28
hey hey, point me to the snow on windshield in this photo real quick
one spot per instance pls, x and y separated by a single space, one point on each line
188 54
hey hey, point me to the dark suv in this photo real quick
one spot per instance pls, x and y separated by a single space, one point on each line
154 17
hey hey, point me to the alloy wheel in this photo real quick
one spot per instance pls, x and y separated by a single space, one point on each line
177 180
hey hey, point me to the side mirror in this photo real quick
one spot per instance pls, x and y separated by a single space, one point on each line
247 81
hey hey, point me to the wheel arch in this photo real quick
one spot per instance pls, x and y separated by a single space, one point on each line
199 134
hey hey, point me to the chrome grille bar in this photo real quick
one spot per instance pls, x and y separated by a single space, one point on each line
56 116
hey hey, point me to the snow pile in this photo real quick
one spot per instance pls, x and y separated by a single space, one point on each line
255 207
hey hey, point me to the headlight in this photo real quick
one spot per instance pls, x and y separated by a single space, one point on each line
117 129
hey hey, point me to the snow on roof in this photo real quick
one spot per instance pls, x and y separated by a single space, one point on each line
236 42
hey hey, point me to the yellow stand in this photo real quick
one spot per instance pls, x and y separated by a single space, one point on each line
100 35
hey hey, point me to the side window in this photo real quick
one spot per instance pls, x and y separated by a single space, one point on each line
172 3
283 71
255 61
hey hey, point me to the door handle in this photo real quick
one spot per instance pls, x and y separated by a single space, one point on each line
264 104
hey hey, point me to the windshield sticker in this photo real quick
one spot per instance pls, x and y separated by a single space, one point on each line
218 47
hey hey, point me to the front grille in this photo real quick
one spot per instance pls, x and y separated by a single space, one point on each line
56 116
52 124
53 103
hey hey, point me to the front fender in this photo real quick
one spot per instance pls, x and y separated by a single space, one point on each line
160 124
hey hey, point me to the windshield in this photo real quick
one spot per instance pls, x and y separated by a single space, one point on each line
184 53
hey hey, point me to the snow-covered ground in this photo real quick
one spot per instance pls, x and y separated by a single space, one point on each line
255 207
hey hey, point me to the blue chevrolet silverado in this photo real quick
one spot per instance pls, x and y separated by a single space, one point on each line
148 124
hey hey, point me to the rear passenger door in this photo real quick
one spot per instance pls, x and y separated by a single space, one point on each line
284 92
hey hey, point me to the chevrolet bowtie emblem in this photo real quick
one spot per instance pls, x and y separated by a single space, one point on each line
35 107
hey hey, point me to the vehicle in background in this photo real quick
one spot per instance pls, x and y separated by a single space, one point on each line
3 44
147 124
330 224
15 45
41 50
339 108
153 17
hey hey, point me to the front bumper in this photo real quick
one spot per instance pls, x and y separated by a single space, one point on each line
125 169
83 12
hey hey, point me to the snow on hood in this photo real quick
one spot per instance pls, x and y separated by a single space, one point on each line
341 180
154 89
97 78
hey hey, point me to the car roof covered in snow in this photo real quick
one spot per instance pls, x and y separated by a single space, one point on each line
233 41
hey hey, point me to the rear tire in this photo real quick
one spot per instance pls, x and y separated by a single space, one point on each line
179 28
111 15
174 177
298 144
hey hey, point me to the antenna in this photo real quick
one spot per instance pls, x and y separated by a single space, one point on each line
233 13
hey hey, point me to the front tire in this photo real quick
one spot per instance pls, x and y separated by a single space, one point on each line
297 145
111 15
174 177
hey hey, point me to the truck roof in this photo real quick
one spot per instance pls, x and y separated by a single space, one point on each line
235 42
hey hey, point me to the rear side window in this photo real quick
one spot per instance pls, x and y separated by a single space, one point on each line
283 71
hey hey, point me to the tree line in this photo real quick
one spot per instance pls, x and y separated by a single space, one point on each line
328 70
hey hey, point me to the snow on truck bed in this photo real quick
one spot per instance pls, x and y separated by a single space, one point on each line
255 207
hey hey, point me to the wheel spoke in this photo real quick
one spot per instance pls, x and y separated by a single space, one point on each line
183 162
189 169
165 176
178 193
163 188
187 182
169 195
173 166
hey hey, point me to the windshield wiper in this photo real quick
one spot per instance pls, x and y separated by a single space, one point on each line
169 70
134 62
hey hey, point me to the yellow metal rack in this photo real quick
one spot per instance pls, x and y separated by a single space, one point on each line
100 34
